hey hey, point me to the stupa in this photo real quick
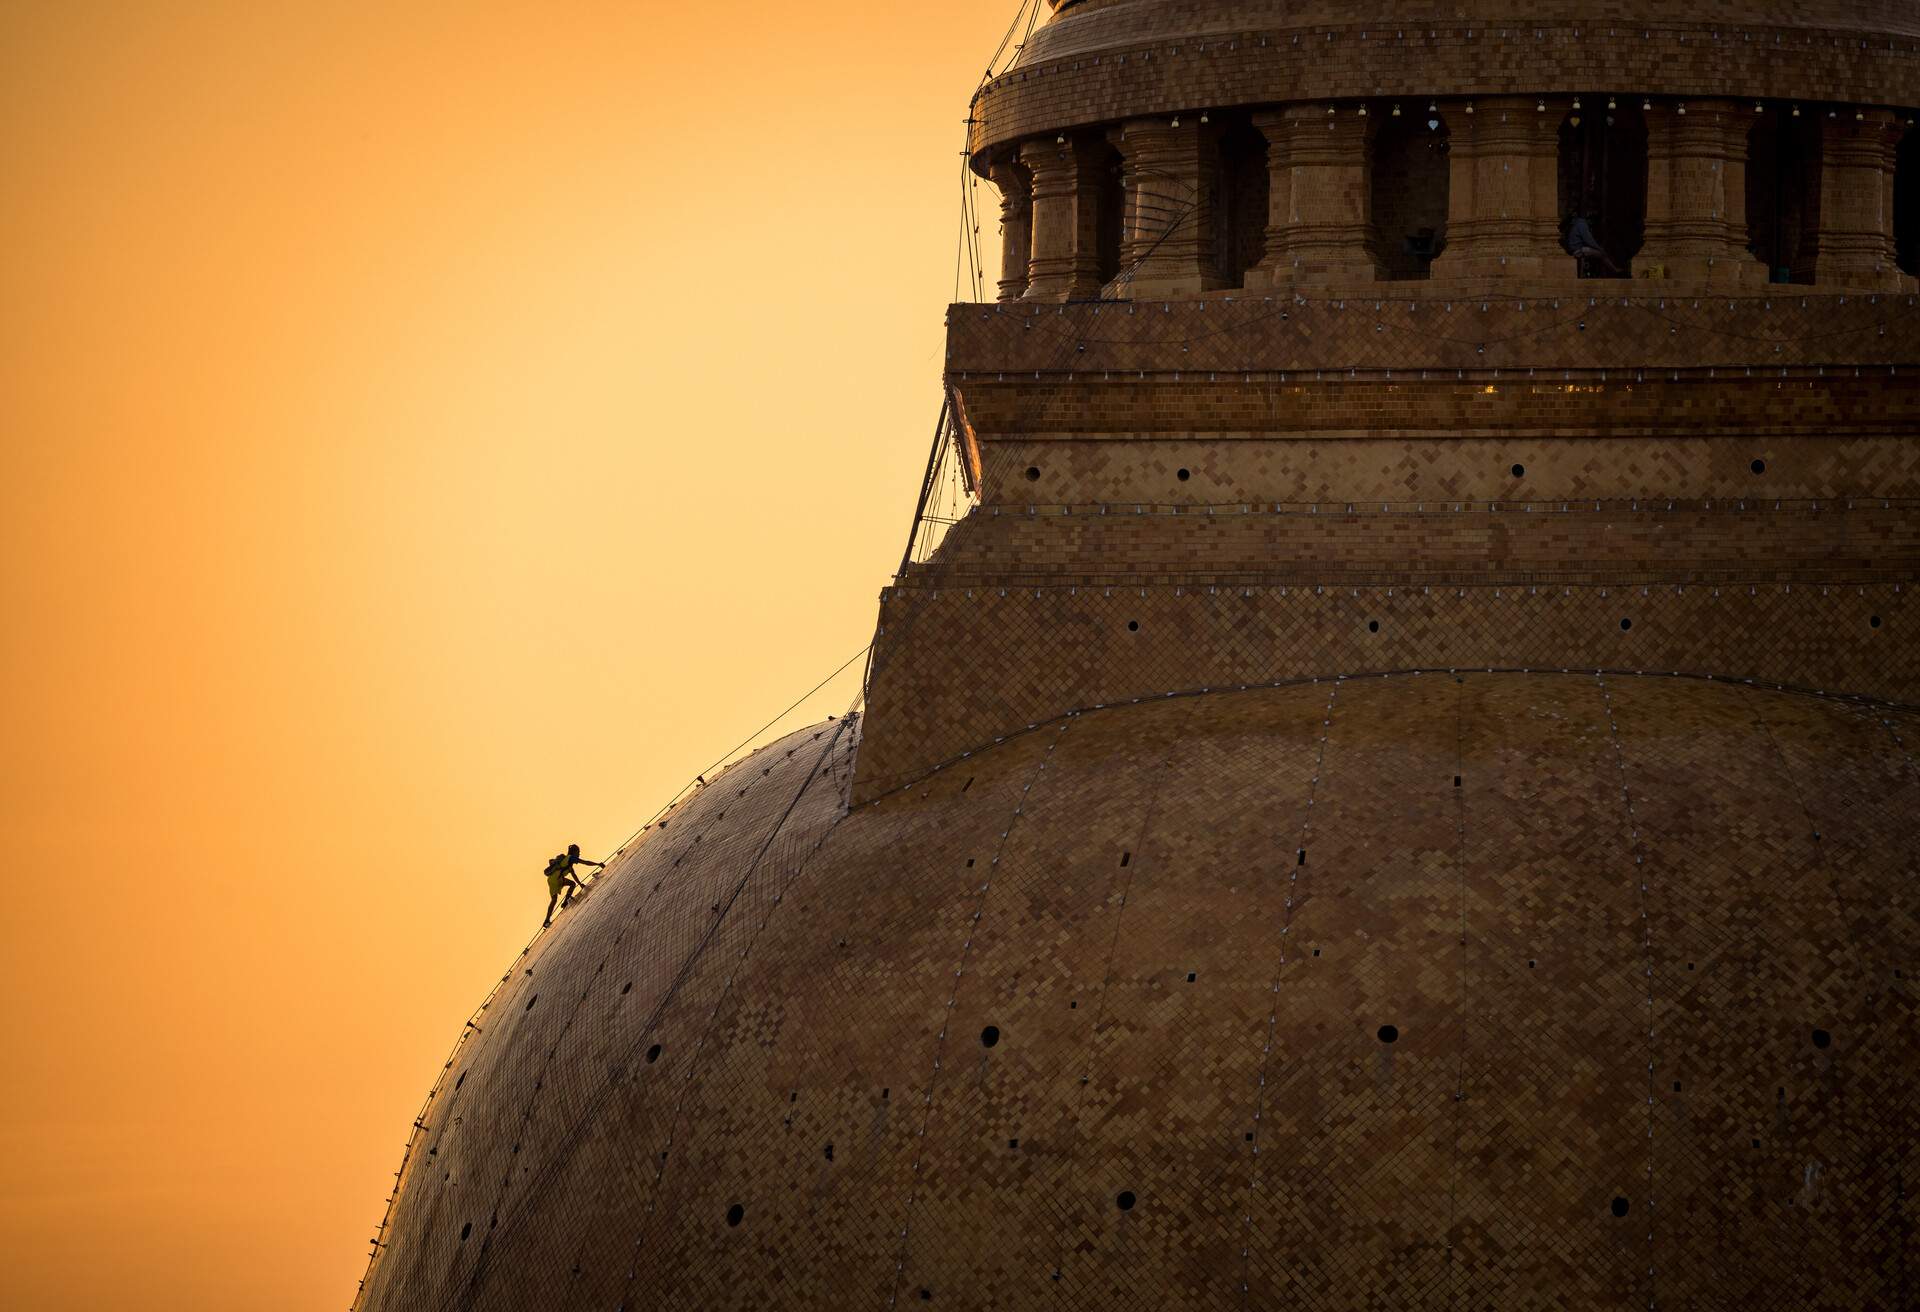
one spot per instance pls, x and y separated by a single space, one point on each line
1398 789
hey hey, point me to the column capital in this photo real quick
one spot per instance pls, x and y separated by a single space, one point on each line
1507 125
1696 126
1048 161
1172 136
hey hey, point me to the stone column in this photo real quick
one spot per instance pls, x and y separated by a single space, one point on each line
1095 160
1697 194
1275 263
1853 246
1503 194
1168 179
1327 218
1016 225
1065 266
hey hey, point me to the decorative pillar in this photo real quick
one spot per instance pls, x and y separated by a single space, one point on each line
1323 208
1167 243
1016 225
1697 194
1275 263
1853 245
1503 195
1065 264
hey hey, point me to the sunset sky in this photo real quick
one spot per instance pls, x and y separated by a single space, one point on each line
433 431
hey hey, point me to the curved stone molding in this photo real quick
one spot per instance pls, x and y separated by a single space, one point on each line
1352 62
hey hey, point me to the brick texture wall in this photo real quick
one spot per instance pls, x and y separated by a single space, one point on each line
1275 488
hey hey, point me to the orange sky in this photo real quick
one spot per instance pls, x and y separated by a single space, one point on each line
432 432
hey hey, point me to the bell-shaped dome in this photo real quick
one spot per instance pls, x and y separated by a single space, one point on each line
1498 991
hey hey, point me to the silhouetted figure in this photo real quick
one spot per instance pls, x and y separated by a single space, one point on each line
560 876
575 859
1583 245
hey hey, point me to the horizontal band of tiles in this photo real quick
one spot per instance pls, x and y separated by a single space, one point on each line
991 552
1625 336
954 670
1353 62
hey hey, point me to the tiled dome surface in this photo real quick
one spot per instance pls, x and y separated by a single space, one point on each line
1098 1018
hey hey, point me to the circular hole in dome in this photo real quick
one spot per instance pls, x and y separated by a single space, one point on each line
926 1296
1388 1033
1183 475
989 1036
736 1214
1373 626
1822 1039
1758 466
1033 473
1125 1201
530 1001
1625 624
1519 471
466 1230
626 988
1133 626
653 1054
1619 1207
1873 621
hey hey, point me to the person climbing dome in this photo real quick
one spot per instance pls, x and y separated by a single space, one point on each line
573 858
560 875
1583 245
